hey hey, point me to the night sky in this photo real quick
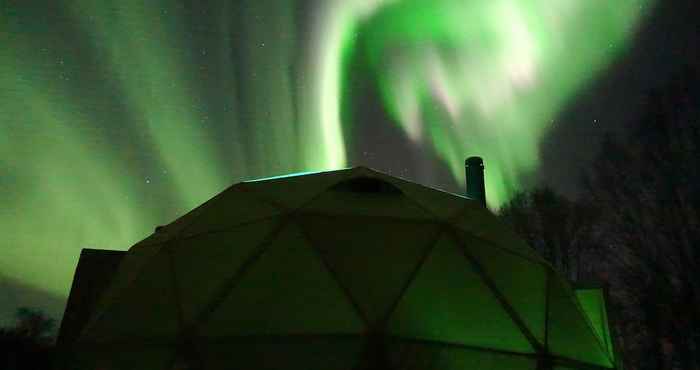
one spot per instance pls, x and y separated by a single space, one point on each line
117 118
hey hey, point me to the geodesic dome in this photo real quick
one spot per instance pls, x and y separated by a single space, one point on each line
349 269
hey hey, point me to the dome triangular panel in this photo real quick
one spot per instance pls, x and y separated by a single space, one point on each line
387 255
526 294
441 204
146 304
414 355
282 352
569 332
233 207
133 356
449 302
273 296
199 278
481 223
292 192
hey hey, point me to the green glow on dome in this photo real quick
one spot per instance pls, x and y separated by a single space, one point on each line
285 176
593 304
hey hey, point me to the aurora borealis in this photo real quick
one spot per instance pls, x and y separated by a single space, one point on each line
487 77
117 118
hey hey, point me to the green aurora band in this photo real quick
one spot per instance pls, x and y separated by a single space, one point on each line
486 78
116 118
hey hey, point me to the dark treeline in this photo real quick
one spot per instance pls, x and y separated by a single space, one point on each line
636 229
28 345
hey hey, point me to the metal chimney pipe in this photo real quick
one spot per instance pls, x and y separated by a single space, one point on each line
474 169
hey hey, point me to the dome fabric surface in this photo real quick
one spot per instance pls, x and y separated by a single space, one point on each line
348 269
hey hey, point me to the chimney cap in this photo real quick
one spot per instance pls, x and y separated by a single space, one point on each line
474 161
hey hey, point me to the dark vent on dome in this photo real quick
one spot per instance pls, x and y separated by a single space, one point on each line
366 185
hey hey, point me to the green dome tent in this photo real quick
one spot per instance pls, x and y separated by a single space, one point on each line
349 269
